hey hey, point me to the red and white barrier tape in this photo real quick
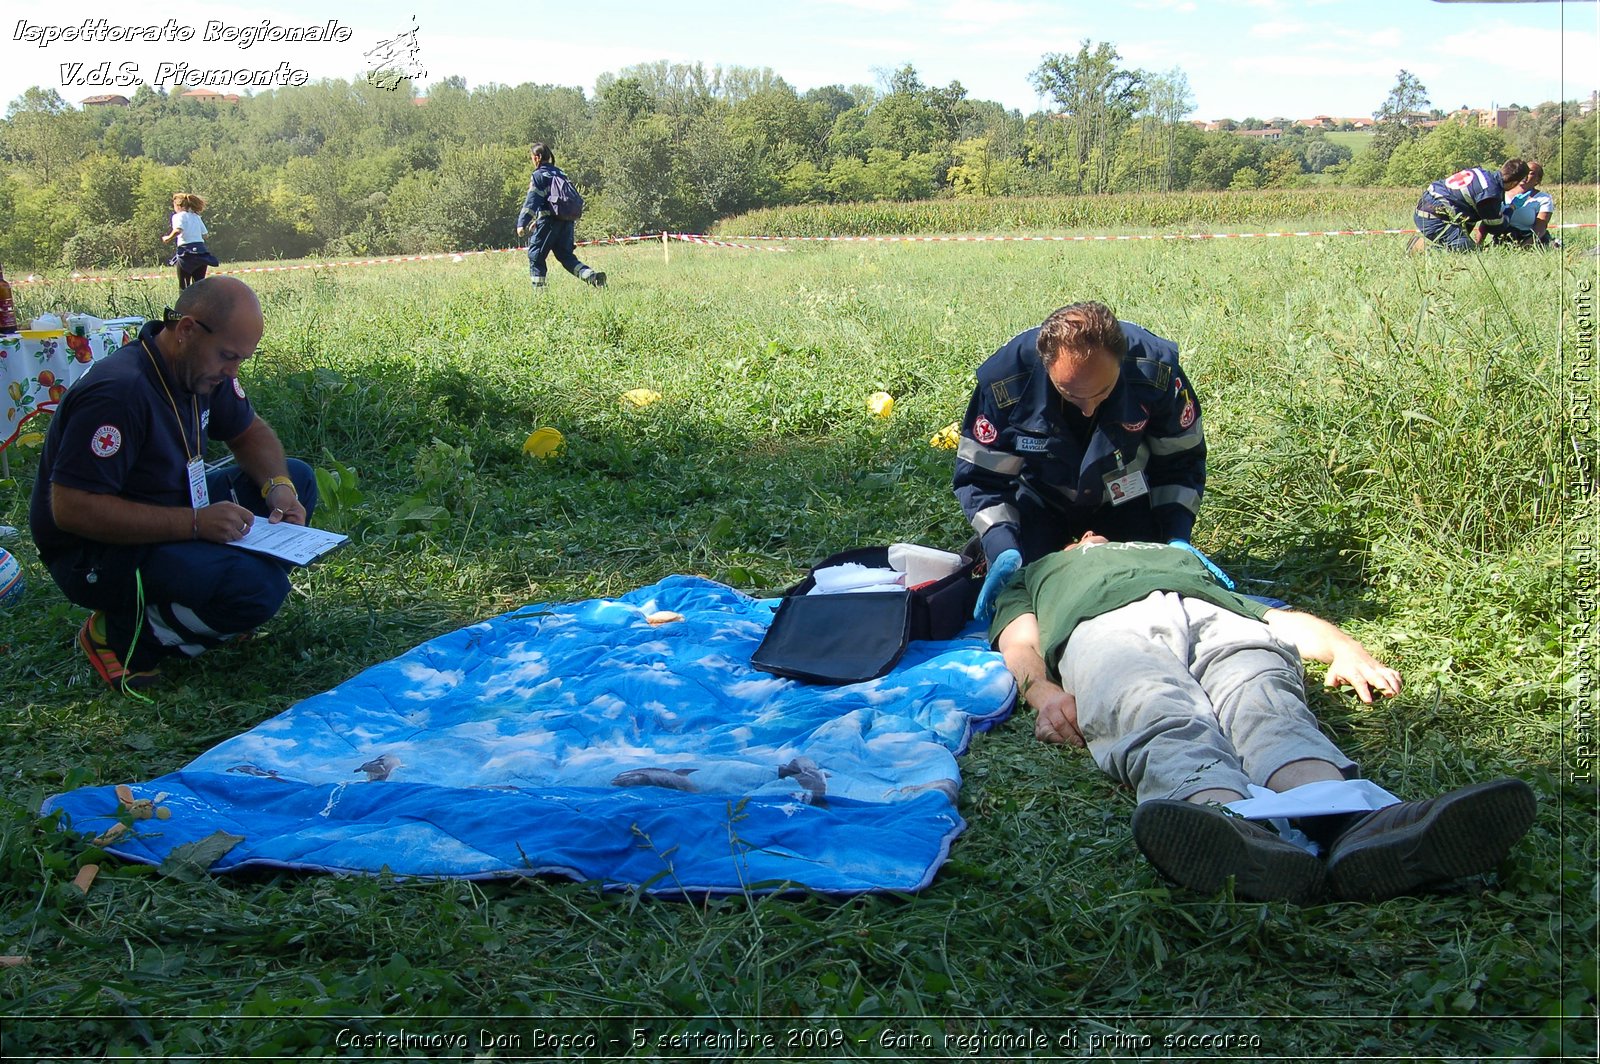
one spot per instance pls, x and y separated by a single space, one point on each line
737 242
454 256
712 242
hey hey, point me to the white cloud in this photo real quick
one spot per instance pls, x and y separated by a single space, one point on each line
878 7
1528 51
968 14
1278 29
756 690
430 683
1181 7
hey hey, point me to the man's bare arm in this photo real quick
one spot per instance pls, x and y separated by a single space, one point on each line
1348 661
260 454
1057 719
113 519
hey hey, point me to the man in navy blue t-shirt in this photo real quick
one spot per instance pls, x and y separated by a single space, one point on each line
123 511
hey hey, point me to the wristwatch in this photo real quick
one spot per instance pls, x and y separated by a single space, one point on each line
278 482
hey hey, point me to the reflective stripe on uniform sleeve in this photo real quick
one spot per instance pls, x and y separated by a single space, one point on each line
1173 444
1000 514
970 450
1175 494
1141 458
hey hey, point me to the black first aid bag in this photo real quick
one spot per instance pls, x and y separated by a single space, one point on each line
856 636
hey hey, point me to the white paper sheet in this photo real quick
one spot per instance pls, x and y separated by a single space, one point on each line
300 544
1314 799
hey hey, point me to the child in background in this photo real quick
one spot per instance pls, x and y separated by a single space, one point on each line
192 257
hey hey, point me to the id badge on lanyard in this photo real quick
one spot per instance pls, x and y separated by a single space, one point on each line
198 497
1124 486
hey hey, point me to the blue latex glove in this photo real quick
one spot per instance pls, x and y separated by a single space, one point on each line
1001 570
1222 578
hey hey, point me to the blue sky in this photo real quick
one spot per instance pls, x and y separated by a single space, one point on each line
1242 57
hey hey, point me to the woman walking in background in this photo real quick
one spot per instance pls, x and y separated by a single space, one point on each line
193 257
550 213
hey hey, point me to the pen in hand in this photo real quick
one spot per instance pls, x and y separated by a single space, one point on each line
244 529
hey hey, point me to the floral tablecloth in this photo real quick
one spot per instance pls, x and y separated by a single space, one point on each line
38 366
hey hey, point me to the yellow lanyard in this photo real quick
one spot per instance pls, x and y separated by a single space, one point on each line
183 433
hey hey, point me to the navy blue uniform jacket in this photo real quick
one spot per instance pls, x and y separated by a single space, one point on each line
1025 449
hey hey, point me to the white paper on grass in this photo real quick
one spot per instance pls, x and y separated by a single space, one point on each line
1314 799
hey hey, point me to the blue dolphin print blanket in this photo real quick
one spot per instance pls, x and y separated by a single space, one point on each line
623 741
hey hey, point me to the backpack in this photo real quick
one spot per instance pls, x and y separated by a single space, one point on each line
564 198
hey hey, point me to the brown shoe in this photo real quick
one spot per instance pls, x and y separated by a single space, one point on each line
1414 844
1201 846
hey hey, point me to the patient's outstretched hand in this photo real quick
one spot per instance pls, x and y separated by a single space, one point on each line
1352 666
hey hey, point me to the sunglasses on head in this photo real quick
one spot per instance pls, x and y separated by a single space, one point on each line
172 317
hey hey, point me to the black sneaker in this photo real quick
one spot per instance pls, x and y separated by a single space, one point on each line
1413 844
1200 847
597 278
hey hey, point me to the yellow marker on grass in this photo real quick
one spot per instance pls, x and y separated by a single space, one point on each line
544 443
641 397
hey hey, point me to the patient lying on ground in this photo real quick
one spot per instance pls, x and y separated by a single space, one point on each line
1194 696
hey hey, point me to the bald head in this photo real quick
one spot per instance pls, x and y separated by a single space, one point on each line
215 299
215 327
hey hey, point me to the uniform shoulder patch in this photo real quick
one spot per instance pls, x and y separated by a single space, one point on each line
106 441
1007 392
1152 373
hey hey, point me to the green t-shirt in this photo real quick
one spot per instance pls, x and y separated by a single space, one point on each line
1068 587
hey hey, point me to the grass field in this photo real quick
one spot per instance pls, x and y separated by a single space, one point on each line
1356 140
1392 445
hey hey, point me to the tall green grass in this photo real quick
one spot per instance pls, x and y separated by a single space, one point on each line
1324 208
1390 446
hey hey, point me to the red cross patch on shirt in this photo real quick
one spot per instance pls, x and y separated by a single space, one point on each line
106 441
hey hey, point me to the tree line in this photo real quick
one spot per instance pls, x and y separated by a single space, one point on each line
367 167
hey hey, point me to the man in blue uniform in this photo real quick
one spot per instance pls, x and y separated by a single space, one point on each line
123 511
1194 696
1456 212
550 234
1083 423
